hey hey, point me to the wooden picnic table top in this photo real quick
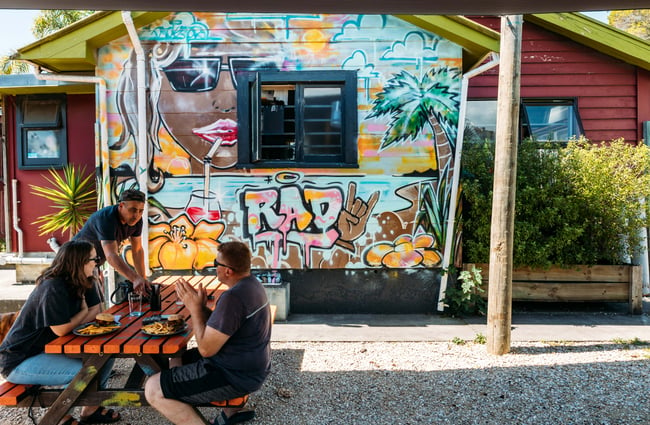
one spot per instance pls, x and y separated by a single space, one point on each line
129 339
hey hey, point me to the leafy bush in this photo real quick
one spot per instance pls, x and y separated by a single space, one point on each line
579 204
466 299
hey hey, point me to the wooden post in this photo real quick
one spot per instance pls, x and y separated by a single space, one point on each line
499 315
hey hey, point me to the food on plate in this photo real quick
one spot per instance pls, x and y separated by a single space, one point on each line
175 320
94 329
105 319
172 324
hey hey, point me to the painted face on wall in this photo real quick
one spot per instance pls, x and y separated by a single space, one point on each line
198 102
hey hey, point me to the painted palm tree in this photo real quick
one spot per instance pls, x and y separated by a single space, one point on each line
413 103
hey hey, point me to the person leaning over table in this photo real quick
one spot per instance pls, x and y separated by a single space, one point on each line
233 357
65 296
109 226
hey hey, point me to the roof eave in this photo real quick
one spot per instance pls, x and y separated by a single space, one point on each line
476 40
596 35
73 48
16 84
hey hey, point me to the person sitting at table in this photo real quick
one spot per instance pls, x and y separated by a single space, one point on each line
233 357
65 296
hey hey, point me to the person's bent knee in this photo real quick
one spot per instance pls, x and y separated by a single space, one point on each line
152 390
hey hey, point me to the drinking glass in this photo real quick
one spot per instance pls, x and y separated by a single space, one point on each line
135 304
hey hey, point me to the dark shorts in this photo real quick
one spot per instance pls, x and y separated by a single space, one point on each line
198 381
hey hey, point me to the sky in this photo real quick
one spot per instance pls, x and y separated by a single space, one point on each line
17 24
16 29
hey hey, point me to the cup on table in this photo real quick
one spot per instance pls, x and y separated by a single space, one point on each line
135 304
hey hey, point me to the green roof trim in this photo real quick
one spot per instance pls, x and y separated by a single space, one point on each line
597 35
73 48
476 40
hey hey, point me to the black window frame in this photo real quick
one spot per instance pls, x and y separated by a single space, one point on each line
524 120
249 98
55 127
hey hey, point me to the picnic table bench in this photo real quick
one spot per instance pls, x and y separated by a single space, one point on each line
150 353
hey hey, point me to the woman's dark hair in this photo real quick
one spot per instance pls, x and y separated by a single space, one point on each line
237 255
69 263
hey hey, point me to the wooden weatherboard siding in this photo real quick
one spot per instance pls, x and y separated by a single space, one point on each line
574 283
554 66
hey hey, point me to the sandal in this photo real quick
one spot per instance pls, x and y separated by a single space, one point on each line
98 418
242 416
71 421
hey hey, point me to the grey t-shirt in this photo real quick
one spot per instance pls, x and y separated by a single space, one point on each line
243 312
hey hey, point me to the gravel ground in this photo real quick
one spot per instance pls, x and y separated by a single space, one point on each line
440 383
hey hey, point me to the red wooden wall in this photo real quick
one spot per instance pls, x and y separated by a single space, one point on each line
612 95
81 150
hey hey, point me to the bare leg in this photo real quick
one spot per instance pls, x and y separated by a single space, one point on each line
177 412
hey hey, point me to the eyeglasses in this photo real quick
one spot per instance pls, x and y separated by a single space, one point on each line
97 260
218 263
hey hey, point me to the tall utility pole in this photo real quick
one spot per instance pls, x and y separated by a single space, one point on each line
499 315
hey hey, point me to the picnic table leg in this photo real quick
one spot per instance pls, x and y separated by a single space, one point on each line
152 364
68 397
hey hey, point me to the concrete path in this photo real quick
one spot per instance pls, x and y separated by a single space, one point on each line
531 322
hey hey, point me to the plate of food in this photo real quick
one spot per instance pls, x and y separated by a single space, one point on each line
172 324
104 324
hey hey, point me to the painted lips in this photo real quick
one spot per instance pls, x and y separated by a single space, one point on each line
226 129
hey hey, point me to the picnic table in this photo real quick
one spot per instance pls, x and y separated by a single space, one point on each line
150 353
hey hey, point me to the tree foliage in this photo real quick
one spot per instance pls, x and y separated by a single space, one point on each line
635 22
45 23
579 204
49 21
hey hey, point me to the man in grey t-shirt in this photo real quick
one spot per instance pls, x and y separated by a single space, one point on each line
233 357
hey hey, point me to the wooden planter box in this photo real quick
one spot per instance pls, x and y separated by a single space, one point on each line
574 284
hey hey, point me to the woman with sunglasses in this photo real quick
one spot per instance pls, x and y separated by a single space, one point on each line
65 296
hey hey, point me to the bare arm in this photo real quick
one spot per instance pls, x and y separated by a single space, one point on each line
110 248
209 340
83 316
138 255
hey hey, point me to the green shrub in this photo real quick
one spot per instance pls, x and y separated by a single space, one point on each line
578 204
465 299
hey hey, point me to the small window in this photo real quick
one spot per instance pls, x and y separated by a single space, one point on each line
542 120
550 120
481 120
41 133
289 119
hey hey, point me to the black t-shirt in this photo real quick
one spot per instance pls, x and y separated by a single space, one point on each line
105 225
243 312
51 303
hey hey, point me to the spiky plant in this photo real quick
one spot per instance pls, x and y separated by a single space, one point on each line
73 196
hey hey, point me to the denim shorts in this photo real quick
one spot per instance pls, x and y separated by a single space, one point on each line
198 381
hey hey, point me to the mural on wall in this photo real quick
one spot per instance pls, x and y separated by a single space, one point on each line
389 212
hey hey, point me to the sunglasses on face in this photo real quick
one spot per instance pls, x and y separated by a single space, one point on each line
217 263
97 260
202 74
